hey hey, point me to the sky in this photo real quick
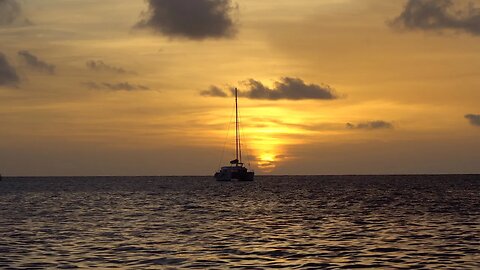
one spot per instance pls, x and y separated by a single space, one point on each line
133 87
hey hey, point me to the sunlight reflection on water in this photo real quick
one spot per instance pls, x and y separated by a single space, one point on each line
194 222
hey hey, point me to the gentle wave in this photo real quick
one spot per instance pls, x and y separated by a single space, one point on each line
292 222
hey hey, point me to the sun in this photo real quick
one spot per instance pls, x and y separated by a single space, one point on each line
267 157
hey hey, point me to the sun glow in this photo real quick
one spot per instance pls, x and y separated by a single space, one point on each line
267 136
266 149
266 162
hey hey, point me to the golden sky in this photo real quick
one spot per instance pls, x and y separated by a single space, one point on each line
123 87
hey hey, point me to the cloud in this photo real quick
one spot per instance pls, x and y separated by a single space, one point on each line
474 119
266 165
122 86
8 75
33 62
214 91
192 19
11 13
267 122
371 125
320 126
286 88
99 65
438 15
10 10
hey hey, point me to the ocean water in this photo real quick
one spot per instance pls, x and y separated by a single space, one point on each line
293 222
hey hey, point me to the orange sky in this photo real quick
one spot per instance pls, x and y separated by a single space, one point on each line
406 92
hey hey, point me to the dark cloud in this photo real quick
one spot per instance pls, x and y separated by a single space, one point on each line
122 86
286 88
33 62
192 19
8 75
11 13
372 125
438 15
214 91
474 119
99 65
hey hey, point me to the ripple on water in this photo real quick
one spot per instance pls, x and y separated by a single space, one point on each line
307 222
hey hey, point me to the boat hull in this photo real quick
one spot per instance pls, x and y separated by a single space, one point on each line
234 173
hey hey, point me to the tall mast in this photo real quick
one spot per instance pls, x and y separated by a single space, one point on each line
237 138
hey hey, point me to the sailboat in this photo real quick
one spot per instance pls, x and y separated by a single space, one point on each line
236 169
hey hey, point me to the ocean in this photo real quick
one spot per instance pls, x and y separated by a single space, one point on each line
292 222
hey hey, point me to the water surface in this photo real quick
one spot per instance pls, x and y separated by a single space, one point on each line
305 222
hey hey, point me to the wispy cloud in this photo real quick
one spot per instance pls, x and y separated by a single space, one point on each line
371 125
8 74
121 86
286 88
266 165
439 15
325 126
192 19
11 13
99 65
474 119
315 126
35 63
213 91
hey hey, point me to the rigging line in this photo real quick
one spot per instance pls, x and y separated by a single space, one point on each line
246 145
238 129
226 138
239 137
